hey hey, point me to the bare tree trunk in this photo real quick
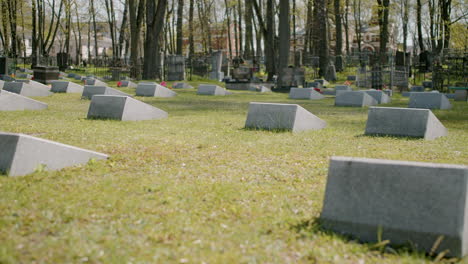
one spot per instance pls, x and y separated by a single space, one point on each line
248 16
419 25
284 40
123 25
308 28
357 22
239 11
155 13
322 34
383 12
338 30
228 25
112 26
136 9
191 42
180 13
346 25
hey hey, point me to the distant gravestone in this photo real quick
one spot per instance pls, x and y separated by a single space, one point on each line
429 100
206 89
351 78
291 117
175 67
26 89
329 91
182 85
380 96
129 84
404 122
427 84
402 202
122 108
416 89
259 88
217 63
342 88
388 92
331 73
90 90
66 87
95 82
154 90
355 98
305 93
23 154
322 82
314 85
15 102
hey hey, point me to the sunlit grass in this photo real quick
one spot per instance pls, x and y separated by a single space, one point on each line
197 187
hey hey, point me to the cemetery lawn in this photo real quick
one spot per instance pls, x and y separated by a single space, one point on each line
197 187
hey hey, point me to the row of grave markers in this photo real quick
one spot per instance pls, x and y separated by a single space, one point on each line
424 203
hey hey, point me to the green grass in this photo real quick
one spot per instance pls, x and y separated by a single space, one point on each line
197 187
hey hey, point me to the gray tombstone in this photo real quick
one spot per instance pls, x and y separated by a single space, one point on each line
417 89
175 67
26 89
291 117
461 95
182 85
259 88
129 84
351 78
95 82
217 63
66 87
90 90
342 88
305 93
354 98
15 102
429 100
122 108
427 84
329 91
154 90
404 122
380 96
405 202
207 89
23 154
331 72
388 92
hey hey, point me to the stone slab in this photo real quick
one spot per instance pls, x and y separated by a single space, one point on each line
153 90
2 83
404 122
182 85
90 90
122 108
305 93
22 154
380 96
428 100
25 89
129 84
95 82
354 98
388 92
329 91
207 89
66 87
15 102
291 117
259 88
417 89
406 202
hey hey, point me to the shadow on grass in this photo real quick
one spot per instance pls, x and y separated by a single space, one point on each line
257 129
388 136
308 227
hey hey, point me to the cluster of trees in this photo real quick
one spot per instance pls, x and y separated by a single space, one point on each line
270 28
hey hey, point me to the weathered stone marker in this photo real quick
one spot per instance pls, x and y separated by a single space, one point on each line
259 88
305 93
182 85
128 84
292 117
413 202
342 88
66 87
355 98
90 90
23 154
207 89
429 100
15 102
26 89
380 96
122 108
404 122
95 82
154 90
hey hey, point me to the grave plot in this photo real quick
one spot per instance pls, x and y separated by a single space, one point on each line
428 100
269 116
355 98
95 82
90 90
405 202
22 154
380 96
122 108
66 87
154 90
392 121
15 102
182 85
128 84
305 93
26 89
207 89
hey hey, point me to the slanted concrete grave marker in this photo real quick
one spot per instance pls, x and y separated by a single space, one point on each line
354 98
305 93
15 102
428 100
90 90
66 87
154 90
25 89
